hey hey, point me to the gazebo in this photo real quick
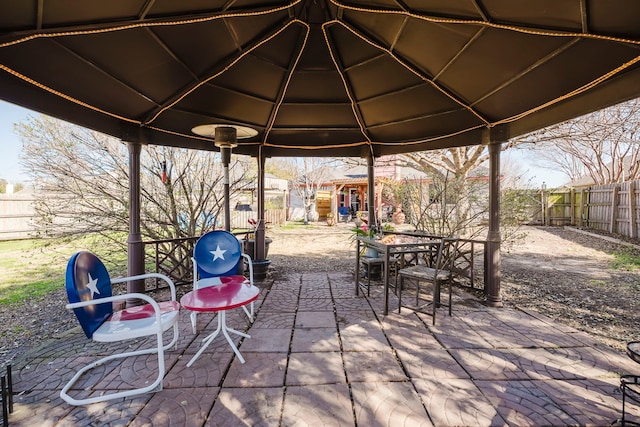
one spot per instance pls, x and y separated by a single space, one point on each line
319 77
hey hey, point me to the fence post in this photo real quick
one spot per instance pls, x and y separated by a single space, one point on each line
614 210
572 201
632 210
581 214
545 207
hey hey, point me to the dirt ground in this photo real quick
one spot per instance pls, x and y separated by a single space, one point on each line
573 278
566 275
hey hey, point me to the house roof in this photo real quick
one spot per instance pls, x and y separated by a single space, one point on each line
319 77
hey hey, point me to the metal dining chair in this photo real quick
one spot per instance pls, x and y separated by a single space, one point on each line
441 271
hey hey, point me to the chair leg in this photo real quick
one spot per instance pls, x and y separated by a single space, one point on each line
436 300
156 385
400 293
450 285
174 341
395 275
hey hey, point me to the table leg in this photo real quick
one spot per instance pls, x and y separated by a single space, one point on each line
357 276
222 326
386 281
226 331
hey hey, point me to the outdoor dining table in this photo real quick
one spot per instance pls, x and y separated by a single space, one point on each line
400 246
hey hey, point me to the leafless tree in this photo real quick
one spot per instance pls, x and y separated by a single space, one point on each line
283 167
456 161
451 201
312 173
602 145
82 184
453 198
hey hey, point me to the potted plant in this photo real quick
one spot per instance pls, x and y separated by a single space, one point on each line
331 220
364 231
398 216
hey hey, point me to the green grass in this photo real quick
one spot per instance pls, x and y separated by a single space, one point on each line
34 268
293 225
625 260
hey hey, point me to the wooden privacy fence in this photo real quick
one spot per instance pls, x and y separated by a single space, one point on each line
613 208
240 219
16 216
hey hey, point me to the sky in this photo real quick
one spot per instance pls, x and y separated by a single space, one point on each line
10 147
533 176
10 144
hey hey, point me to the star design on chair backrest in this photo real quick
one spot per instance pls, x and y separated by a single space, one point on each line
93 285
218 253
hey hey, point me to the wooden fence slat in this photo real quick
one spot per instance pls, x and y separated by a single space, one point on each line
614 208
632 210
614 211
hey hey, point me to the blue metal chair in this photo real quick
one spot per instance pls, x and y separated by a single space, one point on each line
216 255
90 296
343 213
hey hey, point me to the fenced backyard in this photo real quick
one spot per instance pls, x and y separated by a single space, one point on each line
612 208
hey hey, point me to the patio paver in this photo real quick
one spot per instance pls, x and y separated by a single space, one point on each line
319 355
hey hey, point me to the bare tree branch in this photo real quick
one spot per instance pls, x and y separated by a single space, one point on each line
601 145
82 184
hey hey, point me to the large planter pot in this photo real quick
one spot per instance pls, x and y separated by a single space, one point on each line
260 269
370 253
249 247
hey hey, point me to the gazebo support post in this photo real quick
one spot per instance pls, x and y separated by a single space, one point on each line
494 137
135 248
371 191
260 228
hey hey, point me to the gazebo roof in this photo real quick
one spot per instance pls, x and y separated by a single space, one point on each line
319 77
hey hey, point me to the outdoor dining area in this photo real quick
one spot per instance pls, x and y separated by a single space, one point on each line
408 256
319 354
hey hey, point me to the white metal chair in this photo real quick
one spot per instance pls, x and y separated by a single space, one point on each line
90 296
218 254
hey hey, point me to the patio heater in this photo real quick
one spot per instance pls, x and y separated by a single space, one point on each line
225 137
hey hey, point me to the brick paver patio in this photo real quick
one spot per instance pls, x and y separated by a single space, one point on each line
319 355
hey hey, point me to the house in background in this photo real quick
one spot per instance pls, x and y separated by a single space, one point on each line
344 190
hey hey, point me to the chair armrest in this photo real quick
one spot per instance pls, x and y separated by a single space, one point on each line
250 263
149 276
147 298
